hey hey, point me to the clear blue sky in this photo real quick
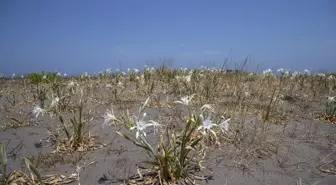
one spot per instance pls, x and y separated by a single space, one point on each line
79 35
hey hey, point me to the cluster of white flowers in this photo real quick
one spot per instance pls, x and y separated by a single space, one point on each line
295 74
186 78
320 74
283 72
306 72
207 125
140 125
268 72
108 71
135 70
85 75
149 69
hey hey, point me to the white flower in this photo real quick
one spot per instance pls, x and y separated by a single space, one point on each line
321 74
331 99
72 83
207 124
331 77
54 101
307 72
247 94
38 110
65 74
224 125
108 86
44 76
22 76
295 74
207 107
58 74
155 125
188 78
120 84
185 100
268 72
141 125
108 117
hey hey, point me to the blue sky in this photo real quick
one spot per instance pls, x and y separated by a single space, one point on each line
81 35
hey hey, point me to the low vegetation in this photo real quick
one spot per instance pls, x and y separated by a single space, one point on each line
194 114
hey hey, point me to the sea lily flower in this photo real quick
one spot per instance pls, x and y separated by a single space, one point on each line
224 125
307 72
155 125
72 83
54 101
268 72
321 74
188 78
208 107
185 100
295 73
207 124
141 125
108 117
120 84
38 110
331 99
108 86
